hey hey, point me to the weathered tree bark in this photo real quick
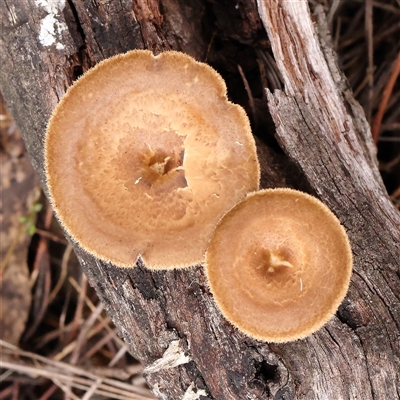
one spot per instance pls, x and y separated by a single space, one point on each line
168 318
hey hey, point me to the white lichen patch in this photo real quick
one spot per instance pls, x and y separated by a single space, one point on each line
51 6
158 392
172 357
193 394
51 27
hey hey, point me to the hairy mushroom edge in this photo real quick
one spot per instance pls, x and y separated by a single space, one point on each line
279 265
143 156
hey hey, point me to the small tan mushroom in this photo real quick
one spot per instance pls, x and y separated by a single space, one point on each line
144 154
279 265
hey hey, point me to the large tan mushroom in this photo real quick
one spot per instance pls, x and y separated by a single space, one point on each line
279 265
144 154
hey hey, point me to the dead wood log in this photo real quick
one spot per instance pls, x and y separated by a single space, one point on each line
168 318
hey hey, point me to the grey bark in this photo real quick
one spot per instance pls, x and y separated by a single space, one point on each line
168 318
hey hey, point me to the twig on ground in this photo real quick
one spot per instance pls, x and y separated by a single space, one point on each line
376 127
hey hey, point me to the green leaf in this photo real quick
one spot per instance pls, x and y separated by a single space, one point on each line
37 207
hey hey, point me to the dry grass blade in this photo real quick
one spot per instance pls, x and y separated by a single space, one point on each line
51 236
49 392
369 28
98 346
64 381
63 275
249 94
66 390
121 352
272 71
92 390
93 309
6 392
79 308
84 332
383 6
385 98
70 347
66 375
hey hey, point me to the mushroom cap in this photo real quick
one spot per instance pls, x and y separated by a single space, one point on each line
144 154
279 265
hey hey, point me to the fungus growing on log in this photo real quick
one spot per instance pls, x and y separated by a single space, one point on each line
143 156
279 265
